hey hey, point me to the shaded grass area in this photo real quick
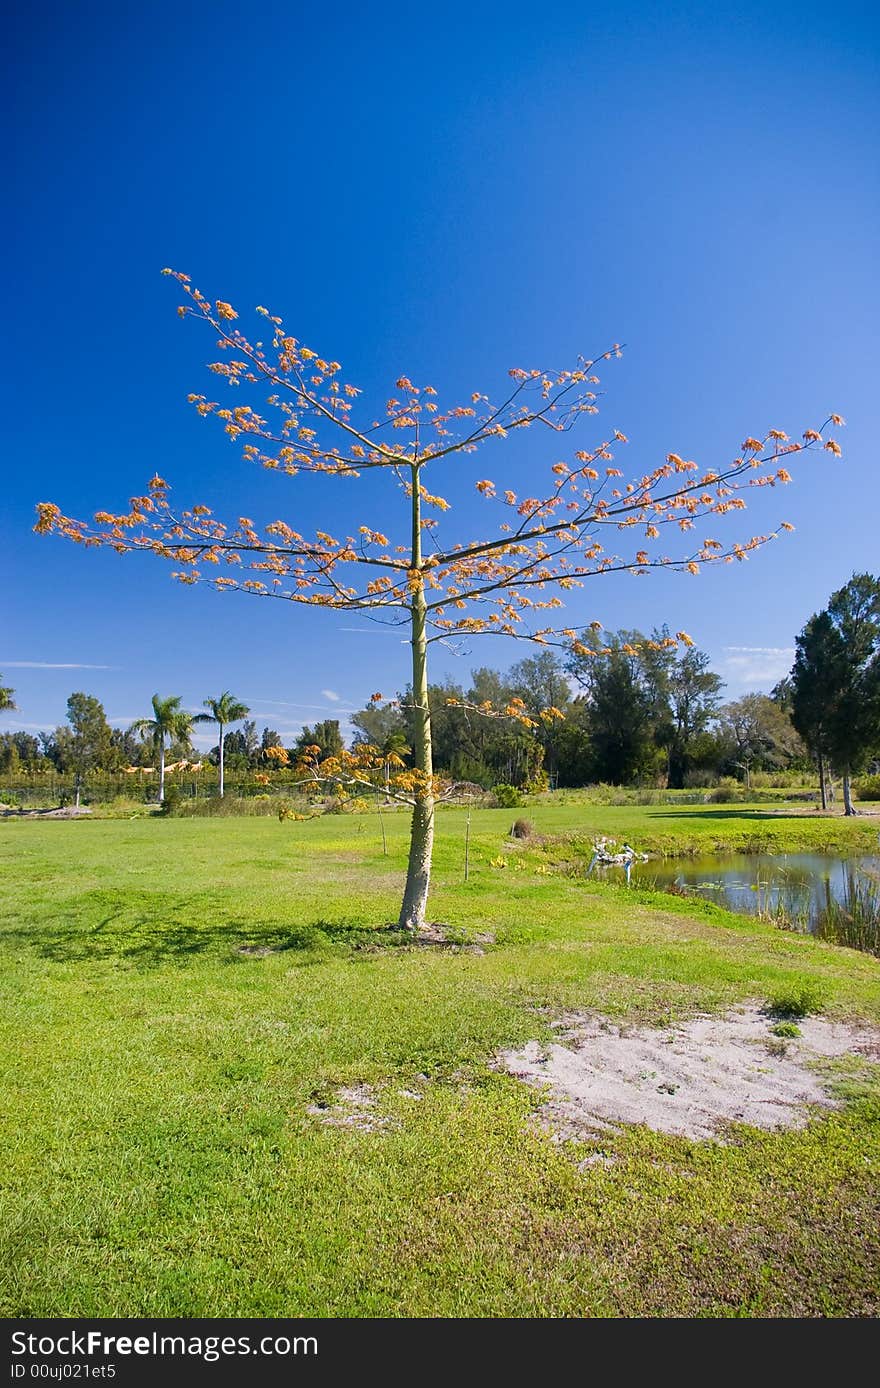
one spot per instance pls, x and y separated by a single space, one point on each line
160 1159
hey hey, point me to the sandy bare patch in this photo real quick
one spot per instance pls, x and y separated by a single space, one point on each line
352 1106
688 1080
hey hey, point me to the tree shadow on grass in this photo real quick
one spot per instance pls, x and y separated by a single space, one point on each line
150 935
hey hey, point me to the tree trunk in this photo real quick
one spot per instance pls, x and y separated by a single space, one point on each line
421 844
418 874
675 777
162 772
823 790
221 761
847 793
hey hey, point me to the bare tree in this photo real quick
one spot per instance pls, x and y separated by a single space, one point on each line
505 584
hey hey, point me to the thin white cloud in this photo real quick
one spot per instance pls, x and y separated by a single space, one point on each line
747 668
50 665
762 650
331 694
28 727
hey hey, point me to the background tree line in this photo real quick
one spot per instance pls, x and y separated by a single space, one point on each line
634 710
87 743
637 709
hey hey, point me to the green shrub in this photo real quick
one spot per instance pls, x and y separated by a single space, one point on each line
700 778
868 788
722 795
797 999
727 792
787 1029
507 796
782 780
171 803
539 784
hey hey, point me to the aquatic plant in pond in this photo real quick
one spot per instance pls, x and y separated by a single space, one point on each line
855 921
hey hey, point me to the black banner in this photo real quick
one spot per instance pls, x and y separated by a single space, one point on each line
265 1352
269 1352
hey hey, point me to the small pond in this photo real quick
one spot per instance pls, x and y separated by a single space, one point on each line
833 897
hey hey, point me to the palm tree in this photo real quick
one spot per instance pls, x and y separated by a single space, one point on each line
394 749
225 710
169 720
6 699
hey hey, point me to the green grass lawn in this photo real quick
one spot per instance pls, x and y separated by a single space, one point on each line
159 1156
679 829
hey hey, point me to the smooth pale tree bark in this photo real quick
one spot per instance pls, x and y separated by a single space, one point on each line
848 807
418 874
223 711
169 721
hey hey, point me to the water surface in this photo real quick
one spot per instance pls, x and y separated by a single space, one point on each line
810 891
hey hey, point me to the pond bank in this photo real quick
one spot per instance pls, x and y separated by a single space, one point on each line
689 831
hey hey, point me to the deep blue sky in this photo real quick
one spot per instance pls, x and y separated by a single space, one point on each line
445 192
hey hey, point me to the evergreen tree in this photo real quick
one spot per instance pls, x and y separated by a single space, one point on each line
816 680
91 738
325 735
854 722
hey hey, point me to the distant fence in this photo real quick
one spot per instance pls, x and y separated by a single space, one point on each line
48 790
